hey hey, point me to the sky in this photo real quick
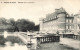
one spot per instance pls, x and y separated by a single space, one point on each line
36 9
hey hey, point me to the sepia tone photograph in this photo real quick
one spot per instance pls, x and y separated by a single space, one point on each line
39 25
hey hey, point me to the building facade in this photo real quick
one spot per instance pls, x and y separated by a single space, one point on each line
59 20
77 23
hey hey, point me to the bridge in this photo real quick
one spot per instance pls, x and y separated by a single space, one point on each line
34 39
48 39
45 40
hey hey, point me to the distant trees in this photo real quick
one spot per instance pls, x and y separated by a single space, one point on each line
24 25
3 21
11 24
36 28
2 24
19 25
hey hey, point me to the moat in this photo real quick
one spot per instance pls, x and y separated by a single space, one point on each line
13 43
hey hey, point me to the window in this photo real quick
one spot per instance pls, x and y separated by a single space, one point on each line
70 21
70 27
66 27
55 17
67 20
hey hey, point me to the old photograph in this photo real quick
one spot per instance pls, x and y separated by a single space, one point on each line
39 24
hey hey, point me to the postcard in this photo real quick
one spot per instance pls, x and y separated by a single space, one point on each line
39 25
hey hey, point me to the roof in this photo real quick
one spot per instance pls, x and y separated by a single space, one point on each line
53 16
70 17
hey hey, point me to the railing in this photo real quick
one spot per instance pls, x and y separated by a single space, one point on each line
76 37
72 36
47 39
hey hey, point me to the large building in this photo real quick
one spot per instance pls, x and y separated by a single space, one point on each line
59 20
77 23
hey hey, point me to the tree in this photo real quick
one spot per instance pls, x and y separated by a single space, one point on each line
3 24
11 24
3 21
36 28
24 25
19 25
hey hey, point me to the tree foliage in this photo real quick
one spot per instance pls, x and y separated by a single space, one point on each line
19 25
3 21
25 25
36 28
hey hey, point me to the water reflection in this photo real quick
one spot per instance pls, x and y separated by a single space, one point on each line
5 34
15 47
13 43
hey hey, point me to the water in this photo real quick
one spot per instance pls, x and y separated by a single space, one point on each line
13 43
5 34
